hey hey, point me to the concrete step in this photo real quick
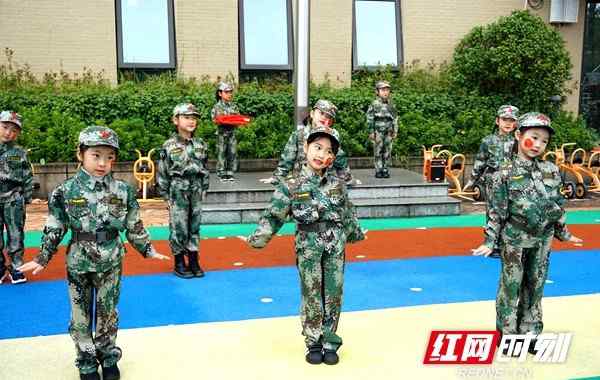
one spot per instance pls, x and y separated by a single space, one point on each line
247 188
367 208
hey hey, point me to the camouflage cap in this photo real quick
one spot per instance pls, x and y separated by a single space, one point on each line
224 86
185 109
535 120
508 111
382 84
322 130
326 107
97 135
11 117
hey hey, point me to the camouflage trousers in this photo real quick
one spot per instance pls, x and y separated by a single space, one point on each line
519 298
320 260
226 154
12 217
487 187
94 297
185 216
383 149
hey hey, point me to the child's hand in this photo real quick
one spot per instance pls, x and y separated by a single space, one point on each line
371 136
575 240
31 266
153 254
364 231
482 250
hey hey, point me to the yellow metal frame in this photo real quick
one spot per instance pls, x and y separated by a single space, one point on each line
144 177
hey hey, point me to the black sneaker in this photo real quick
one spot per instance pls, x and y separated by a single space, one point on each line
314 354
89 376
385 174
111 373
330 357
378 175
17 277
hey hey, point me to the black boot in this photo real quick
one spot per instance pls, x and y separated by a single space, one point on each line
180 268
194 266
378 174
111 373
314 354
385 174
89 376
330 357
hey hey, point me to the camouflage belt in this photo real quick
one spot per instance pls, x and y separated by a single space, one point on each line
527 228
101 236
318 226
6 186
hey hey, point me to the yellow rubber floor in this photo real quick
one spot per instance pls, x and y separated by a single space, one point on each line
381 344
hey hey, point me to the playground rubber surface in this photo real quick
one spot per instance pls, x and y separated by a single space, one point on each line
411 276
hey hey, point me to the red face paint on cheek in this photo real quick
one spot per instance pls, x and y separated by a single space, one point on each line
528 143
328 161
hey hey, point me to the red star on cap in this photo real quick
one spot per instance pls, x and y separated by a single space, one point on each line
104 134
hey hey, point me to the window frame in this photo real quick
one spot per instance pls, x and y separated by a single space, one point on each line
242 43
121 64
399 42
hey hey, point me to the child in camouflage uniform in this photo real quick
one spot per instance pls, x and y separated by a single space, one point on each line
226 142
293 156
95 207
495 149
382 121
526 212
325 220
16 189
183 180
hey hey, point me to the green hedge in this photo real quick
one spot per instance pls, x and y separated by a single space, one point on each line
431 112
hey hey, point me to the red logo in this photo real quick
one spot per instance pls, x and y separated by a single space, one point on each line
104 134
461 347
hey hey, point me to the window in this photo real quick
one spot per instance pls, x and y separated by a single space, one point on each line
145 34
376 34
265 35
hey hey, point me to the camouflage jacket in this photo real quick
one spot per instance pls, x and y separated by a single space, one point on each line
495 150
293 157
308 198
16 178
382 116
182 165
224 108
91 204
526 205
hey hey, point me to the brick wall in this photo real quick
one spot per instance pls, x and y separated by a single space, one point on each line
54 35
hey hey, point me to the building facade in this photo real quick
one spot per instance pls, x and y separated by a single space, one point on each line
213 39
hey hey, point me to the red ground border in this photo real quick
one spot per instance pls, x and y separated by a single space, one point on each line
221 254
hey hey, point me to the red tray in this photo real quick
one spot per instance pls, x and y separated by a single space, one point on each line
232 119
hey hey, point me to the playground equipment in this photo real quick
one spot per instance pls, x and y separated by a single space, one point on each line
588 171
433 167
570 189
453 171
144 171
